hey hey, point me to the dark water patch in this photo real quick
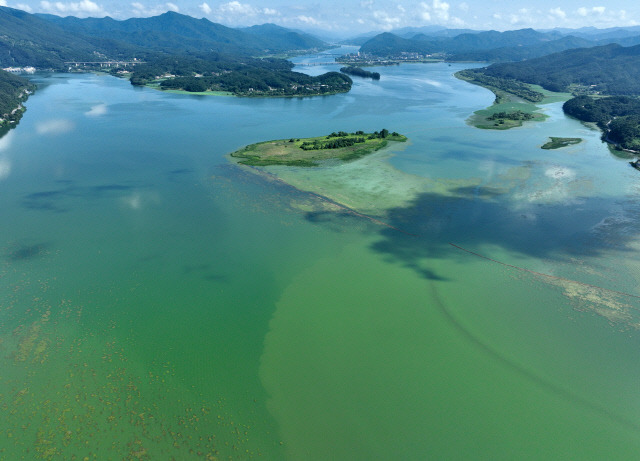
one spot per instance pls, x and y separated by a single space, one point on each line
479 191
215 278
180 171
55 200
551 231
27 252
190 268
101 190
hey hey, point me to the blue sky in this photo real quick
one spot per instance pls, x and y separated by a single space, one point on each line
350 17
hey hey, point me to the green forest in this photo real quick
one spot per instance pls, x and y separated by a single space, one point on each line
359 72
240 76
610 69
13 91
617 116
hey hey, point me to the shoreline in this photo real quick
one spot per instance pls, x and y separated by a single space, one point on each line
508 102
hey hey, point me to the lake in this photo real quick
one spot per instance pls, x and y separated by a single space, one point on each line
464 295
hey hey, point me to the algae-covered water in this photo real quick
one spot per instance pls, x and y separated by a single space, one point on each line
466 295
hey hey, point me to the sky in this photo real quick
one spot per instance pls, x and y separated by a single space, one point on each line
352 17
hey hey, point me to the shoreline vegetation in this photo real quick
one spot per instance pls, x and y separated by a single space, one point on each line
360 72
247 78
14 91
515 102
308 152
558 143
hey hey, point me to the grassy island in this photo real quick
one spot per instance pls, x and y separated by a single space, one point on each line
557 143
308 152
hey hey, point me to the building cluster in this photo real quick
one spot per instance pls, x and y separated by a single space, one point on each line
20 70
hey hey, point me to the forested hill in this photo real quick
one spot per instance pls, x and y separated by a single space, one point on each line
492 46
14 90
26 40
171 50
47 41
518 53
390 44
609 69
173 32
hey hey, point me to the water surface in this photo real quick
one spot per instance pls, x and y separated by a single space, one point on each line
159 301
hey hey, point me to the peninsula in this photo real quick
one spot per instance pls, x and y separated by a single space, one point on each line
309 152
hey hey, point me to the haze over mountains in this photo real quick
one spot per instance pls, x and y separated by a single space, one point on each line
47 41
495 46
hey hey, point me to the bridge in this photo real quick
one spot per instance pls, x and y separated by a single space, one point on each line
311 64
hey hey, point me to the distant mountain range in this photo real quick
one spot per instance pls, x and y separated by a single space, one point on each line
495 46
47 41
609 69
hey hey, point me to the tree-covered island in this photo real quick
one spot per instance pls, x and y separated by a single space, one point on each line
360 72
239 76
558 143
309 152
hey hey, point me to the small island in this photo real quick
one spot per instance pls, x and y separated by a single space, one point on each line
557 143
360 72
307 152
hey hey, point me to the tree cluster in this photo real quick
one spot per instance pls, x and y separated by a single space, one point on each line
610 69
515 115
359 72
510 85
12 93
335 143
617 116
240 76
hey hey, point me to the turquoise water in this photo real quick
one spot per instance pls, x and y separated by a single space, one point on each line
160 302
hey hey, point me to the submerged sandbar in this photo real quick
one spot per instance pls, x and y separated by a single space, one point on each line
309 152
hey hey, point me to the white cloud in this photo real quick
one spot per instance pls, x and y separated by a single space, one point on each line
23 7
141 10
237 8
55 126
5 141
597 10
5 168
558 13
307 20
97 110
205 8
464 6
441 10
82 8
271 12
384 20
3 2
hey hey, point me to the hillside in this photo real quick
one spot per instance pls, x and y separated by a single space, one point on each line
518 53
177 33
14 90
492 46
390 44
609 69
178 52
27 40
